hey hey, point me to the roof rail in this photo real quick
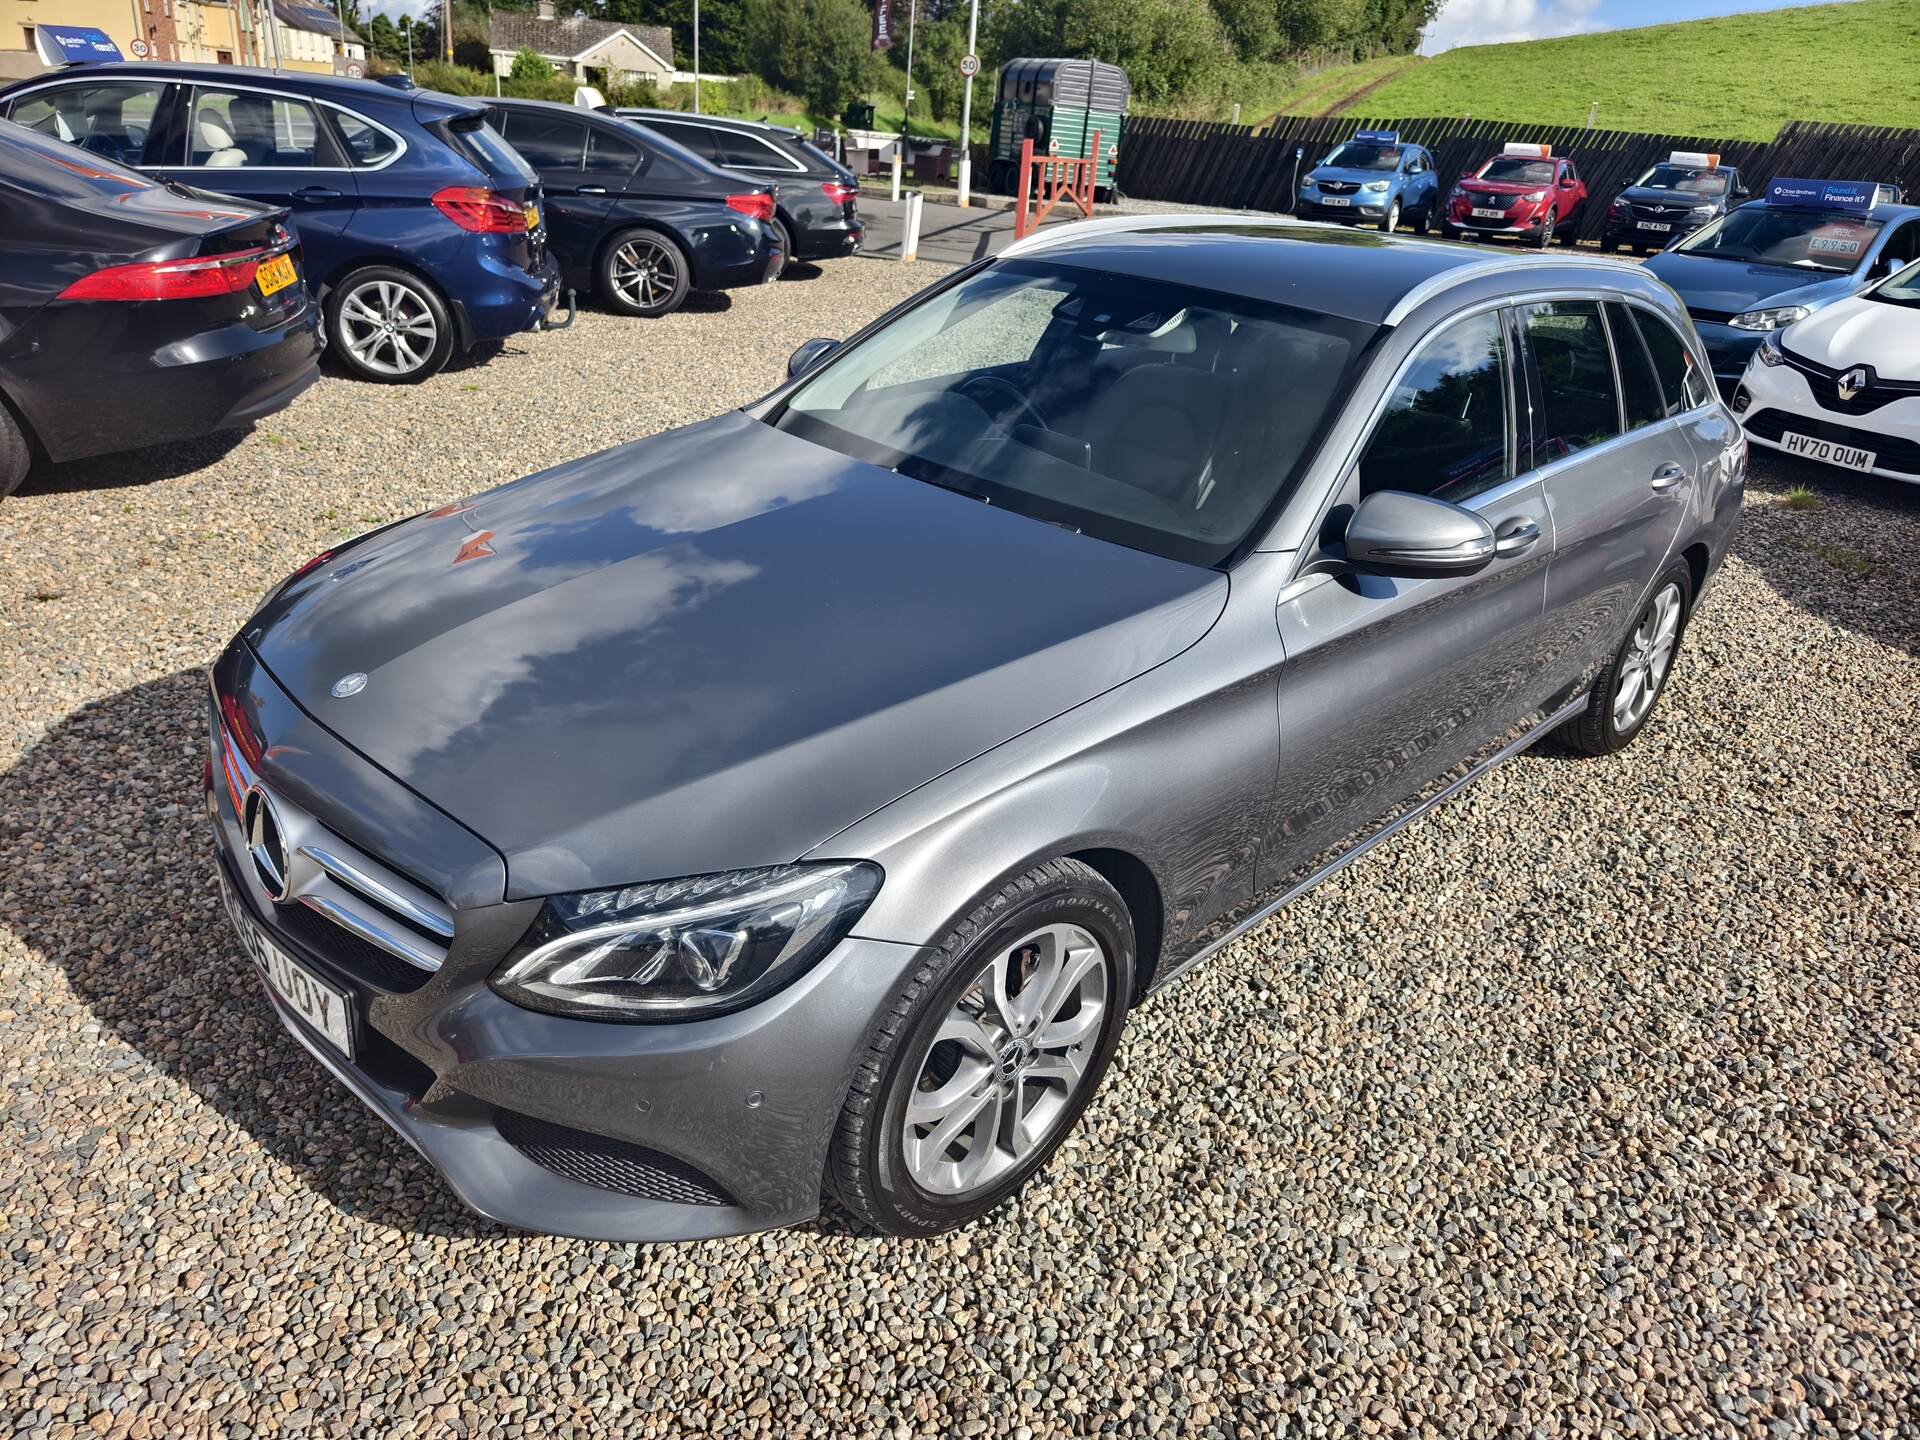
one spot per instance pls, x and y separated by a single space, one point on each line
1132 224
1445 280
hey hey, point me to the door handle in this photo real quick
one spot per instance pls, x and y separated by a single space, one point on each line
1516 536
1668 476
593 189
317 192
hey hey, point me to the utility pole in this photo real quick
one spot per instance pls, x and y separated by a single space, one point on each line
913 11
966 108
696 57
340 14
407 22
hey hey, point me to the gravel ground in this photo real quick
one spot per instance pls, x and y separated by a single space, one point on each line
1587 1105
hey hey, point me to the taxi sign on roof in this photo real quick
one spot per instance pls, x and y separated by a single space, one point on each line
1855 195
1378 137
1699 159
1520 147
74 45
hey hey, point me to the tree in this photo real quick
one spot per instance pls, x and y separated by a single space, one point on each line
386 39
815 48
530 66
1167 47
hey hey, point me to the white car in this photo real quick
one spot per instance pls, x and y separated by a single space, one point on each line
1843 385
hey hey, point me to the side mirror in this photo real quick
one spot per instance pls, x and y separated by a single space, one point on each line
810 354
1397 533
1741 192
1567 182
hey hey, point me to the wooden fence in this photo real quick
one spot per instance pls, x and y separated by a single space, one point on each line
1239 167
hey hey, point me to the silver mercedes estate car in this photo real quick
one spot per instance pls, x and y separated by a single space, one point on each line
799 803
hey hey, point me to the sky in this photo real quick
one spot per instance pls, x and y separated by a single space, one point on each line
1483 22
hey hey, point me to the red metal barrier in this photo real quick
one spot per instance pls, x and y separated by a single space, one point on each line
1059 178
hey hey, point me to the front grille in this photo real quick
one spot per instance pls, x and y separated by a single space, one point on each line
607 1164
1670 214
374 922
1491 202
1339 187
1890 452
1712 317
1824 382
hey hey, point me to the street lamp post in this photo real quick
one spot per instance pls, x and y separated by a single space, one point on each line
966 111
696 57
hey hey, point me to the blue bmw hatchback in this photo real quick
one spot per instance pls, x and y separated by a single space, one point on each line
421 227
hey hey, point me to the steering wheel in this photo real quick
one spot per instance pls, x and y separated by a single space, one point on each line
1011 392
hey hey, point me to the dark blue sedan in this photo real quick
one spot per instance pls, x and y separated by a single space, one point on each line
421 228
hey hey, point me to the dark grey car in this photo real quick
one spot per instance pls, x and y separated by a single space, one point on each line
804 798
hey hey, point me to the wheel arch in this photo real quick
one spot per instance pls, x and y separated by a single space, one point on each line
1140 892
462 328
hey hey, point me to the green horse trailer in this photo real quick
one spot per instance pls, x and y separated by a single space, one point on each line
1060 105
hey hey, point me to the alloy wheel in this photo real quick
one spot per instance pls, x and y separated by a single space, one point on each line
1393 218
645 272
388 327
1649 653
1001 1073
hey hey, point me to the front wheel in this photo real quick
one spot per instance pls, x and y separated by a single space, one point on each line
644 273
1391 222
1545 237
389 326
1623 697
987 1055
14 454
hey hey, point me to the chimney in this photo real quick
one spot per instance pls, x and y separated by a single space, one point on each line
547 11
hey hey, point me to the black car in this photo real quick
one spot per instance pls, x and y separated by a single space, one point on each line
817 197
636 218
134 312
1673 199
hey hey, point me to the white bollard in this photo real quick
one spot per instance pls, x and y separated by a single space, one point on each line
896 173
966 180
910 242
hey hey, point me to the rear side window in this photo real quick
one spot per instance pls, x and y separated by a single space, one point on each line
697 138
746 152
1681 382
112 118
229 129
548 142
1639 387
1445 429
1579 405
610 154
367 144
482 144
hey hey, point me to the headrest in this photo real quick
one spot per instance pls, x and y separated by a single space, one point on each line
214 134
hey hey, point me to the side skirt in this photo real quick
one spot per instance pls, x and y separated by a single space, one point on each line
1268 911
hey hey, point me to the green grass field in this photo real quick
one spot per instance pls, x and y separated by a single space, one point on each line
1737 77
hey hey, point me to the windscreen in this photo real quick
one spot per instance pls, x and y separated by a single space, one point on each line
1157 415
1516 170
1684 179
1356 156
1802 239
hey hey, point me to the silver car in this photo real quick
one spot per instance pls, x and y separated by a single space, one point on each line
801 801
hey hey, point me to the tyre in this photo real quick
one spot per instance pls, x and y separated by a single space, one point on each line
1624 695
1545 237
14 453
642 272
782 237
1424 225
1569 233
389 326
985 1058
1390 222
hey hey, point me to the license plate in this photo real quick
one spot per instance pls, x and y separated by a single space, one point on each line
1827 451
325 1007
1655 225
1485 214
275 274
1334 200
533 218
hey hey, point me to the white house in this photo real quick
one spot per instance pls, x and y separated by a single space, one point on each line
575 45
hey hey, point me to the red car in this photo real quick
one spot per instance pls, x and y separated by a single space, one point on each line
1525 191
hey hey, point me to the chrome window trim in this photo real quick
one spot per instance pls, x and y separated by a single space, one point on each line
785 167
170 81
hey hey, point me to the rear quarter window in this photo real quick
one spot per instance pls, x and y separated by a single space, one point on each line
478 142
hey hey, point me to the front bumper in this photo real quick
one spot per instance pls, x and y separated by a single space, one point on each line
1780 401
1728 351
1511 225
1628 232
1371 208
546 1123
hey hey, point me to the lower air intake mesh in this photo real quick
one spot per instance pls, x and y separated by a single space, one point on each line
607 1164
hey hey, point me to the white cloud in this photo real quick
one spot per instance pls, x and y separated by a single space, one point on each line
394 9
1489 22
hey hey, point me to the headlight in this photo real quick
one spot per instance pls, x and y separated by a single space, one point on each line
1456 194
674 949
1533 197
1377 186
1618 208
1769 319
1701 212
1769 352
